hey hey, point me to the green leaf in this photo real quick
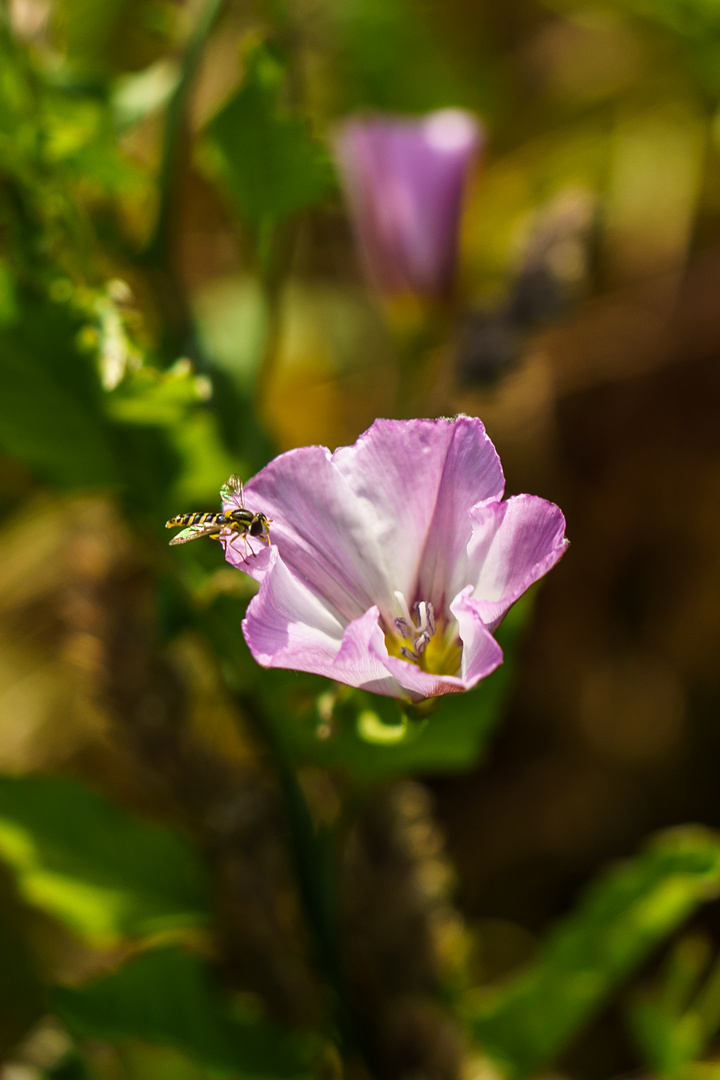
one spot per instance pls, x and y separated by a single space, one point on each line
206 464
88 27
101 872
168 997
675 1021
668 1043
70 1067
392 59
232 319
369 738
22 996
268 160
527 1023
141 93
137 438
153 397
51 416
114 35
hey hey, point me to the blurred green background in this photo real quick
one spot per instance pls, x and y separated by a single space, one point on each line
181 298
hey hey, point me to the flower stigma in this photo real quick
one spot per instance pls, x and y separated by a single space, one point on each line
438 653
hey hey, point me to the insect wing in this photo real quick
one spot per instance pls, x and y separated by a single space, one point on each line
194 532
232 486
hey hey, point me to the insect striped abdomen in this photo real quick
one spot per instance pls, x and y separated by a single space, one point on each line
197 519
228 524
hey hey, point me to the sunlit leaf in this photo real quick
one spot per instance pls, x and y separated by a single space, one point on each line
168 997
140 93
527 1023
232 318
80 140
152 397
101 872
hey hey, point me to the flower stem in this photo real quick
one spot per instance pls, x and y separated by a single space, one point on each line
316 881
158 255
173 135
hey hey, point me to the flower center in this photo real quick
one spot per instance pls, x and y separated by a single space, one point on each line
417 631
433 650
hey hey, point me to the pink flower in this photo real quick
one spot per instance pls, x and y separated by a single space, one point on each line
393 560
404 180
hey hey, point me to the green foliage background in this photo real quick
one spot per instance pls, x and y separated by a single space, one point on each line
211 870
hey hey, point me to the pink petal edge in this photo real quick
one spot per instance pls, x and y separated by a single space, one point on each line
286 625
514 543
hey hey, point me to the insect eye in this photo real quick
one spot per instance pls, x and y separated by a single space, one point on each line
258 525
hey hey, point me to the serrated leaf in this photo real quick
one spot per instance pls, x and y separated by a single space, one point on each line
93 867
527 1023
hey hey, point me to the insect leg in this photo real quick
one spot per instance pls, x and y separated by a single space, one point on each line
245 542
238 534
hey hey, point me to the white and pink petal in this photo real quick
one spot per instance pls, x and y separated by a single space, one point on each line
408 519
471 474
321 529
481 653
288 626
513 544
416 480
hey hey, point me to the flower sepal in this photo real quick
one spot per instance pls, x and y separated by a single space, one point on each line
418 712
379 720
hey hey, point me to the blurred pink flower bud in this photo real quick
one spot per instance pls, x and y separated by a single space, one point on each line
404 181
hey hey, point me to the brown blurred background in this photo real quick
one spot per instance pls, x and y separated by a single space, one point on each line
596 203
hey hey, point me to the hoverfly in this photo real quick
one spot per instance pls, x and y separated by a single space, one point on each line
237 522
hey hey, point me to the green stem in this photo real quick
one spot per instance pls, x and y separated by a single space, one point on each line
158 246
315 882
158 255
275 247
417 347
